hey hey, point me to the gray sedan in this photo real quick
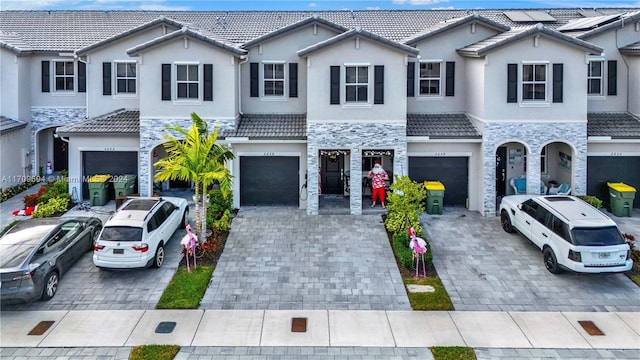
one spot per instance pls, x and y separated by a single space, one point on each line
36 252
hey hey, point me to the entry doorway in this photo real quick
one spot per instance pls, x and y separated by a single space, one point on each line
332 174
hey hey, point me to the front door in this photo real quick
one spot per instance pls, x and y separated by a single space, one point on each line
60 155
501 171
332 174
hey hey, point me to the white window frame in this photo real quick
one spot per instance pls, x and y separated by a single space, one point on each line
544 160
116 78
590 77
430 78
264 79
55 76
535 82
177 82
357 84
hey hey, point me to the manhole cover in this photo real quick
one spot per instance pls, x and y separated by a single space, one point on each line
299 325
41 328
591 328
165 327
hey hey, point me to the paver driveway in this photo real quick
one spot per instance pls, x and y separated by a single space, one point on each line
484 268
281 258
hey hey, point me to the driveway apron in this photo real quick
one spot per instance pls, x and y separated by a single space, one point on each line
484 268
281 258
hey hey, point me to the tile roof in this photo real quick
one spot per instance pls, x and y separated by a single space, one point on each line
206 37
624 18
441 126
616 125
117 122
271 126
13 42
8 125
452 24
359 32
631 49
481 48
315 19
66 30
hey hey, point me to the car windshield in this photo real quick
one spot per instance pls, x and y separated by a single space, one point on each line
121 233
597 236
18 243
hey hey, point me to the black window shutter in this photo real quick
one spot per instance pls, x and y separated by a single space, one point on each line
293 80
208 82
612 77
378 84
512 83
450 79
46 83
411 79
254 88
106 78
166 82
558 73
335 85
82 77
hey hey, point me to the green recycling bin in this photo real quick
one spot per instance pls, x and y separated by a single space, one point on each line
123 184
435 196
621 196
98 189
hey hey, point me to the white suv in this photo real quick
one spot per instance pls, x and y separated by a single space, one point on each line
572 234
135 236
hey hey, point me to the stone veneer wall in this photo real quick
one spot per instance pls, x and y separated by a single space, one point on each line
534 136
152 133
43 118
355 137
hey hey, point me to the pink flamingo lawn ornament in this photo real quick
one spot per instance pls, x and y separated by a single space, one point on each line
190 241
419 247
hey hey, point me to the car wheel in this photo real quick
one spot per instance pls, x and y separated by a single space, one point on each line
183 224
94 237
159 259
550 261
50 285
505 220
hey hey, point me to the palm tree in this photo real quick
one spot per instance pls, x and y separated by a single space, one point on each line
197 158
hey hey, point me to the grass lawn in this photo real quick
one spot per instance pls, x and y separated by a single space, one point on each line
453 353
186 289
437 300
635 277
154 352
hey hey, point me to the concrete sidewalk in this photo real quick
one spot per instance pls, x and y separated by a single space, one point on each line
325 328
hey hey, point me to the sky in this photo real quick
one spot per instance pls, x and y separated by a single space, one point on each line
318 5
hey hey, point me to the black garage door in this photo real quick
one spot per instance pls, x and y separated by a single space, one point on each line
451 171
603 169
269 180
108 162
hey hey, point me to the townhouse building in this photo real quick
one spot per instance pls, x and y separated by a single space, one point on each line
307 101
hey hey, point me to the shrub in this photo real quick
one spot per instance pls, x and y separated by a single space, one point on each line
405 204
52 207
591 200
59 188
635 253
33 199
219 211
17 189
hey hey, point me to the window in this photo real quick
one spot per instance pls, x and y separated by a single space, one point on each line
430 78
64 75
594 78
187 82
534 82
273 79
126 78
543 160
357 83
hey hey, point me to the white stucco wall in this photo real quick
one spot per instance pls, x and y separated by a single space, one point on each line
364 52
15 77
281 48
99 104
188 51
15 164
53 98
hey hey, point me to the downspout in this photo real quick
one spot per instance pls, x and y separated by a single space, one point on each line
624 59
244 59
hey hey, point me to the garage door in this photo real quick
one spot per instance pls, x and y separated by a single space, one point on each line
603 169
108 162
453 172
269 180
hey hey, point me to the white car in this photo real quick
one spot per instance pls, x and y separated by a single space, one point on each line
572 234
135 236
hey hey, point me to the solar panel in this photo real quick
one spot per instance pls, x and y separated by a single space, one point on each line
540 16
529 16
517 16
588 23
589 13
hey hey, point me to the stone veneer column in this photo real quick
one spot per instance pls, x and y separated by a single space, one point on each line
354 136
43 118
534 136
152 133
